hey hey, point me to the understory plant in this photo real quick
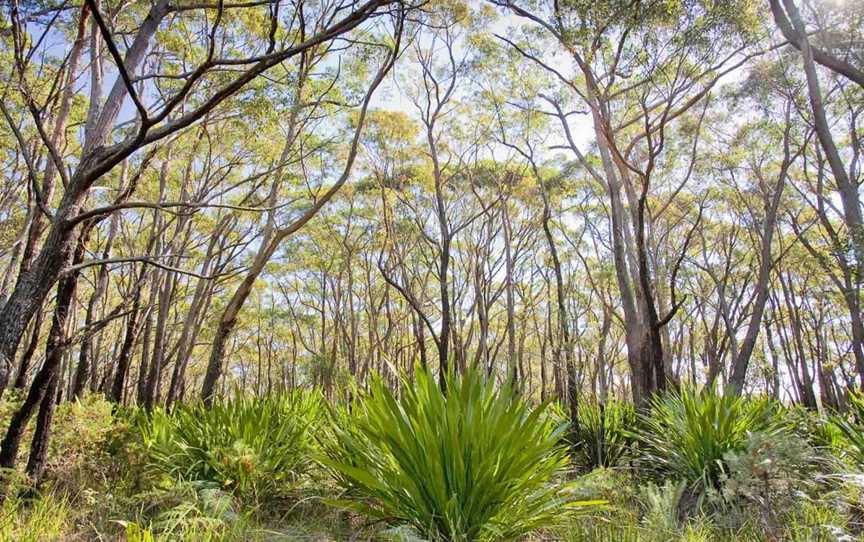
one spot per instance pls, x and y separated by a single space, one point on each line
253 447
199 511
766 479
687 435
474 463
850 444
36 519
604 434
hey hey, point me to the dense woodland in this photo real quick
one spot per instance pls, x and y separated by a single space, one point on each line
594 205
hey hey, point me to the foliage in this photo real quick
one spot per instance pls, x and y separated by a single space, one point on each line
189 511
43 519
767 477
476 463
76 455
687 435
773 470
342 427
605 433
254 447
616 487
807 523
812 522
78 442
816 428
850 445
662 505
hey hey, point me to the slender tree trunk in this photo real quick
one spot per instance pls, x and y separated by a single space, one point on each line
27 356
143 371
187 336
742 361
42 434
125 357
563 322
82 373
509 292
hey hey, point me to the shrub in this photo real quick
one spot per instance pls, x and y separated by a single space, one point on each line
616 487
76 457
766 479
254 447
605 434
812 427
687 435
661 506
198 511
77 450
474 464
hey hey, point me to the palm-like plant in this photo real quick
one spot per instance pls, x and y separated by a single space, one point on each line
254 447
473 464
850 427
604 434
685 435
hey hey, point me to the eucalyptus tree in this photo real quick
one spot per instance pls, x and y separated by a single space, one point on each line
637 68
769 177
143 109
826 35
274 233
193 82
442 58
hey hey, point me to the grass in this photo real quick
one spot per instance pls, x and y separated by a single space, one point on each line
45 518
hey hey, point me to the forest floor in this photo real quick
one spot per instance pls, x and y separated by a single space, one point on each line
98 486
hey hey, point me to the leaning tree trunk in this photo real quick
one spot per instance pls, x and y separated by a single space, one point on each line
124 359
54 350
20 381
741 362
37 224
39 446
274 237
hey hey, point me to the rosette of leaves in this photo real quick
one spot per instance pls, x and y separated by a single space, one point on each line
474 463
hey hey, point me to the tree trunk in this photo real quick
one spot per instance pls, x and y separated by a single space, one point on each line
42 434
82 373
48 374
741 362
125 357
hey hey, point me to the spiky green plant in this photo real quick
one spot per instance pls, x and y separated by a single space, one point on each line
850 426
816 428
685 435
604 434
339 440
476 463
253 447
